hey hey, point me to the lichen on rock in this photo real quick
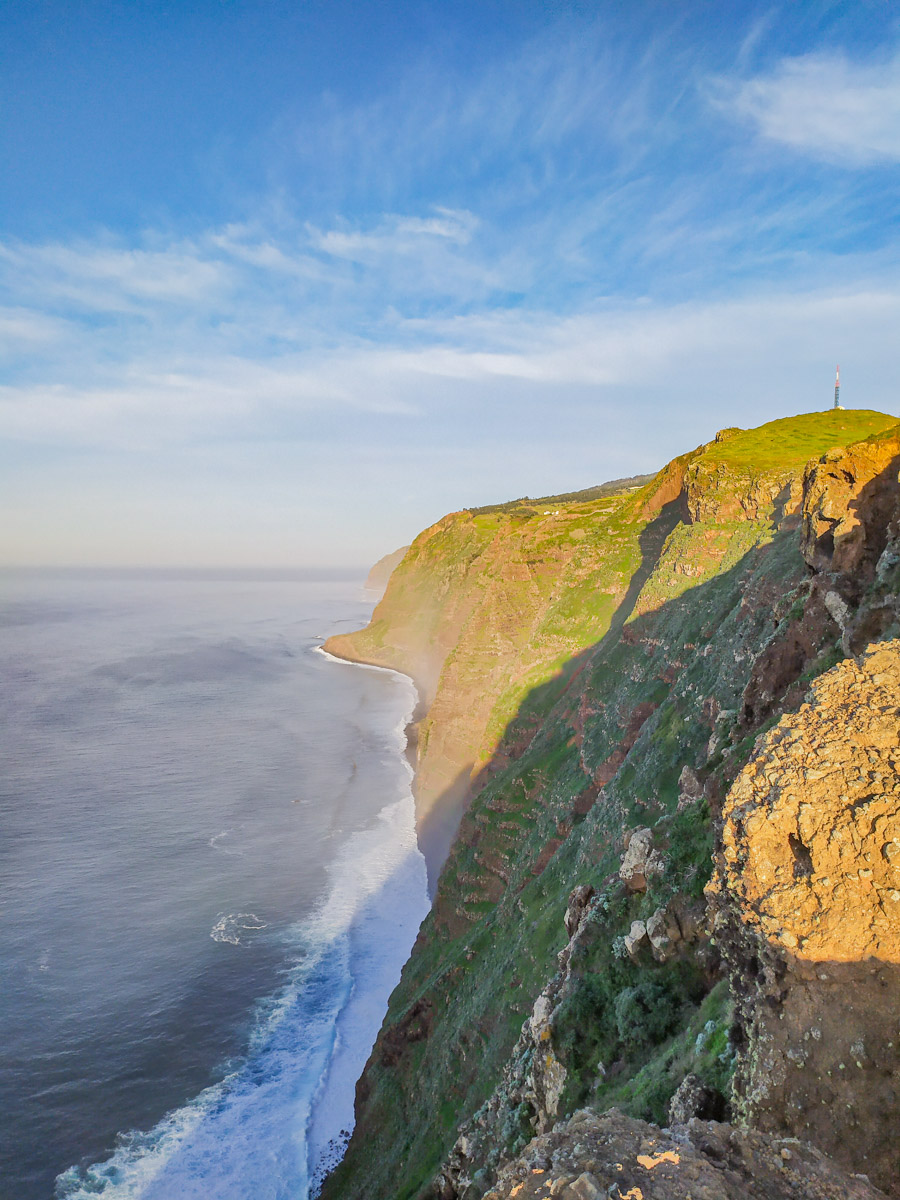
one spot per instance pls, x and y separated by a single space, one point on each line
807 913
590 1157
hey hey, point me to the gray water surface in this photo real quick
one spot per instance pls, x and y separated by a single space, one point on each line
181 773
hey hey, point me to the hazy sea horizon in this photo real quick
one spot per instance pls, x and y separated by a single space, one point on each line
209 878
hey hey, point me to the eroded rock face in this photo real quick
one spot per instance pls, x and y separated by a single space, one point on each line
711 495
806 902
694 1098
848 497
591 1157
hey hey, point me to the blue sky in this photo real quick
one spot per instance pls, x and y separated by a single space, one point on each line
281 283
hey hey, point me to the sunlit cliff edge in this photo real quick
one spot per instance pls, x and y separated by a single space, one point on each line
667 836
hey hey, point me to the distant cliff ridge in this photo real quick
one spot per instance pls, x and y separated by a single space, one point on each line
377 579
595 674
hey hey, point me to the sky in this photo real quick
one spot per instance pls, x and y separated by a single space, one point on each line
282 282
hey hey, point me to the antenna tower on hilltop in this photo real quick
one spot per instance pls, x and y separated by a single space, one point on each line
837 387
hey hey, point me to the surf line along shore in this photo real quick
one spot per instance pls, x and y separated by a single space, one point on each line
396 903
435 826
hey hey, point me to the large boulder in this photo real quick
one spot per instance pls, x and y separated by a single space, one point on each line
640 860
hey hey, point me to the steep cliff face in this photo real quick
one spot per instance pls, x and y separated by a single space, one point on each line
490 609
806 902
596 673
850 497
485 607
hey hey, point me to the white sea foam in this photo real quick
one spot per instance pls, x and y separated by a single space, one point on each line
230 926
215 842
272 1128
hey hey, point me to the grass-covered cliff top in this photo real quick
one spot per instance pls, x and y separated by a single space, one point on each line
792 441
583 496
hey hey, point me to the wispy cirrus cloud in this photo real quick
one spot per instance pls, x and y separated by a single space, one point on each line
826 106
396 235
555 114
96 276
617 354
522 273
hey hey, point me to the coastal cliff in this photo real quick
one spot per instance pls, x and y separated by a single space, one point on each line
377 579
602 677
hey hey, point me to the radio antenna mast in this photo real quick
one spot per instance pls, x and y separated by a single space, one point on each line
837 387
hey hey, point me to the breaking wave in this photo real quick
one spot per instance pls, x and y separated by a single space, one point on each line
273 1127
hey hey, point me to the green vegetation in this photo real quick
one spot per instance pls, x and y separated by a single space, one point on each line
792 441
592 493
580 676
702 1048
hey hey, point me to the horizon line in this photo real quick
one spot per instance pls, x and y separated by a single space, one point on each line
329 572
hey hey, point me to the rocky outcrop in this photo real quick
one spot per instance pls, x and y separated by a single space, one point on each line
694 1098
592 1157
807 914
849 497
850 540
851 536
529 1097
640 861
711 495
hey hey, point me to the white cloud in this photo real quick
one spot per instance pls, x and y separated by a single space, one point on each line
337 452
110 278
434 368
395 235
204 399
21 328
252 281
826 106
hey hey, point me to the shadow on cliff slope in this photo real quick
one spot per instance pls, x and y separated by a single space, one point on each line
437 827
652 541
590 754
645 730
537 704
816 1039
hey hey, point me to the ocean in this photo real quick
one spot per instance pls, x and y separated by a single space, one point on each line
209 881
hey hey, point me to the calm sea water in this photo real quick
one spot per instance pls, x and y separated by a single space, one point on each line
208 882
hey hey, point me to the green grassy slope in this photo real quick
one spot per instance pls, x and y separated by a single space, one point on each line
792 441
487 606
599 650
